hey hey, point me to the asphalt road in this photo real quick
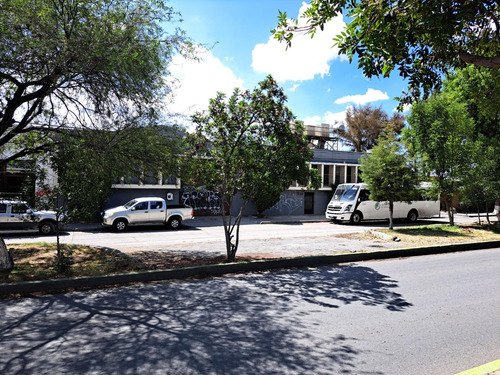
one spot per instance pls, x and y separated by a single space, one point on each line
426 315
282 238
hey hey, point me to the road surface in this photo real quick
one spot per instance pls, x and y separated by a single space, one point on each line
206 235
435 314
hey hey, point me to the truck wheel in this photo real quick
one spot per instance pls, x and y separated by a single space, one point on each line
120 225
356 217
174 223
412 216
47 228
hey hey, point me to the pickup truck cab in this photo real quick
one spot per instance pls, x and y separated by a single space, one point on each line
147 210
18 215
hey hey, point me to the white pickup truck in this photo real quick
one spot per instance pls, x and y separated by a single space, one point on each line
18 215
146 211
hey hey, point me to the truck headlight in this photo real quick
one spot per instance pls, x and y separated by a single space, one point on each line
348 208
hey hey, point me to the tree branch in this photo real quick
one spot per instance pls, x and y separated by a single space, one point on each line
487 62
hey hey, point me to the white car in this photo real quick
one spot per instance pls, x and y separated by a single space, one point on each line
18 215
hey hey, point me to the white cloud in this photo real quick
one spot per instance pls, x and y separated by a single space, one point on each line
294 87
305 59
196 81
328 118
334 118
314 120
371 95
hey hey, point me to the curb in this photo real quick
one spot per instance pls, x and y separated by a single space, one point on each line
55 285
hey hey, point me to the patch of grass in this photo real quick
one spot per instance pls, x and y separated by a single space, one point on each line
38 262
428 235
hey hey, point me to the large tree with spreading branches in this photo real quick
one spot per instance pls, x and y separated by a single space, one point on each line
79 63
421 39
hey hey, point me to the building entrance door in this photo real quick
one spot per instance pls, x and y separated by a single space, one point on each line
308 203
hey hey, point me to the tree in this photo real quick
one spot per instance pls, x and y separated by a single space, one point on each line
479 90
365 124
79 63
388 175
88 168
245 144
439 129
480 183
422 39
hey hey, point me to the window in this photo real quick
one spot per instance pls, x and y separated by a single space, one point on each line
19 208
141 206
364 195
156 205
3 208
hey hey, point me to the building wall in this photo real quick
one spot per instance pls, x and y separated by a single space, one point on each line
334 167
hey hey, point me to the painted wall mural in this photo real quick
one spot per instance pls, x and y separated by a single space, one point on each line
291 202
204 202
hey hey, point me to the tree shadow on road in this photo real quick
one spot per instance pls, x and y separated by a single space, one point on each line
262 323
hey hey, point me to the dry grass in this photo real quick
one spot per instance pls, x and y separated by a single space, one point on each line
38 262
443 234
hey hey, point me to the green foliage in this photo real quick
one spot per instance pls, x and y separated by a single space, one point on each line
89 163
422 39
479 89
248 143
440 128
480 184
81 63
387 173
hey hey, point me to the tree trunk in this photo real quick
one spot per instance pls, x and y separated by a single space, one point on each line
391 215
449 209
6 261
232 230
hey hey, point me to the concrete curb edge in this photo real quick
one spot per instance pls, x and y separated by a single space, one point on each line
55 285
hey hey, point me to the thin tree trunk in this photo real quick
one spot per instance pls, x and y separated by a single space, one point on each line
391 215
232 230
449 209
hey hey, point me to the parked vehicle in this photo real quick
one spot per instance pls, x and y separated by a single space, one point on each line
147 210
351 202
18 215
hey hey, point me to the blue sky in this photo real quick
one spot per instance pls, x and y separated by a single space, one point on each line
240 52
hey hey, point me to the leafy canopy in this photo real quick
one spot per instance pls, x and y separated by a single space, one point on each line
248 143
88 168
422 39
438 133
388 174
80 63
